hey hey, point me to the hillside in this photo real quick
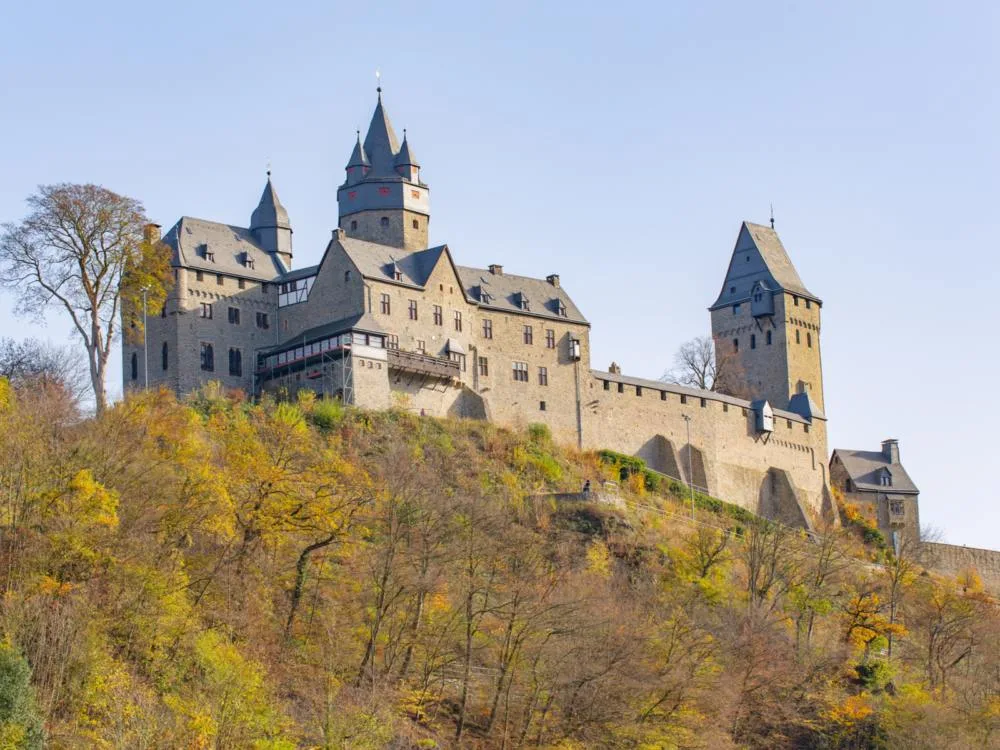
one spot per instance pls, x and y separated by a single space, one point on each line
221 574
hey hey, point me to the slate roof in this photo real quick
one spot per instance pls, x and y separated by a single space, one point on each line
359 322
683 390
269 212
358 156
505 291
776 270
381 144
405 157
227 243
377 261
863 468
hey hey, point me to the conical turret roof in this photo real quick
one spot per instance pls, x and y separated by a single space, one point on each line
269 212
381 144
405 157
358 156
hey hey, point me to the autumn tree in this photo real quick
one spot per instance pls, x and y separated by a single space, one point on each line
32 361
82 249
699 364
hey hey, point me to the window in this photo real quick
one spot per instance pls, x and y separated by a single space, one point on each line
886 476
438 315
487 328
199 276
416 224
607 385
163 310
621 388
207 357
135 366
242 283
384 221
385 306
354 223
413 309
561 308
397 275
753 340
704 403
767 338
262 321
736 345
347 276
165 357
235 362
896 507
529 335
725 406
788 423
541 406
263 287
234 315
797 337
206 310
809 339
808 304
684 399
638 390
459 358
458 321
421 346
484 367
521 372
550 338
220 280
543 376
795 300
392 342
805 428
663 395
736 309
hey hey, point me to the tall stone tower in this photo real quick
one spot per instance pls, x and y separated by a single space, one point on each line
270 226
383 200
767 324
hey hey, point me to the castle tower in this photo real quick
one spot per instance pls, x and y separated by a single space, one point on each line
270 226
382 199
766 325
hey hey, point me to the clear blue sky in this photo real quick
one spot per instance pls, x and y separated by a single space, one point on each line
618 144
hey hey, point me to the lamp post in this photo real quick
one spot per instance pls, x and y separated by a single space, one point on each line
687 420
145 345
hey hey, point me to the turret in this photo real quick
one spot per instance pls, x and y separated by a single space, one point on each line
382 199
269 225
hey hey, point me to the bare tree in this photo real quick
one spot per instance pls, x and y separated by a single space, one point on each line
82 249
698 364
32 360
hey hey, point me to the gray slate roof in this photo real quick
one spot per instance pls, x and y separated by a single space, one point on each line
376 261
505 291
381 144
863 468
358 156
775 268
359 322
405 157
269 212
227 243
683 390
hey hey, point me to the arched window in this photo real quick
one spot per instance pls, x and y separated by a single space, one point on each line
384 221
135 366
416 224
164 357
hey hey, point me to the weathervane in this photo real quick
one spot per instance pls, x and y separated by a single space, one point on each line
378 80
772 216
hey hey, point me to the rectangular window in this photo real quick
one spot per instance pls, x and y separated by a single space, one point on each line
541 406
543 376
704 403
220 280
235 362
753 340
458 321
621 388
206 310
459 358
663 395
438 315
607 385
550 338
529 335
207 357
384 304
242 283
795 300
484 367
487 328
521 371
421 346
163 310
234 315
797 337
199 276
263 287
808 304
413 309
392 342
809 339
768 338
684 399
736 309
262 321
725 406
638 390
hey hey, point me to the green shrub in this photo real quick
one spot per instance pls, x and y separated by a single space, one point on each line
20 724
327 414
539 433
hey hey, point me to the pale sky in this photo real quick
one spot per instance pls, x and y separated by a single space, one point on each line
617 144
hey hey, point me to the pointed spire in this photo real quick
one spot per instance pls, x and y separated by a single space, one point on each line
358 156
381 144
269 212
405 157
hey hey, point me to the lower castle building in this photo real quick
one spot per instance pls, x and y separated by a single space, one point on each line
385 320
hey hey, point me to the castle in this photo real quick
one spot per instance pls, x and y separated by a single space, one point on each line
385 320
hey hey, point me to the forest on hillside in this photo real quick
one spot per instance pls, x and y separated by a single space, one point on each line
218 573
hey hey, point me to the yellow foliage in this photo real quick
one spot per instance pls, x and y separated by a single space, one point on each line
851 710
599 559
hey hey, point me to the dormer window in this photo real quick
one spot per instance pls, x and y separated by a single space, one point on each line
207 254
247 260
885 478
398 275
561 308
522 301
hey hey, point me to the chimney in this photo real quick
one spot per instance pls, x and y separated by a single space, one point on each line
553 279
496 269
890 449
615 369
151 232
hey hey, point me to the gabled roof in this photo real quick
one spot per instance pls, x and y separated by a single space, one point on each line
379 262
269 212
381 144
865 469
189 237
768 262
507 290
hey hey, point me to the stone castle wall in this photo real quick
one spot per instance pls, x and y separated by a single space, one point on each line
952 560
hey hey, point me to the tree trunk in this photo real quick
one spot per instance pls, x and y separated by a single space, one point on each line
300 579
